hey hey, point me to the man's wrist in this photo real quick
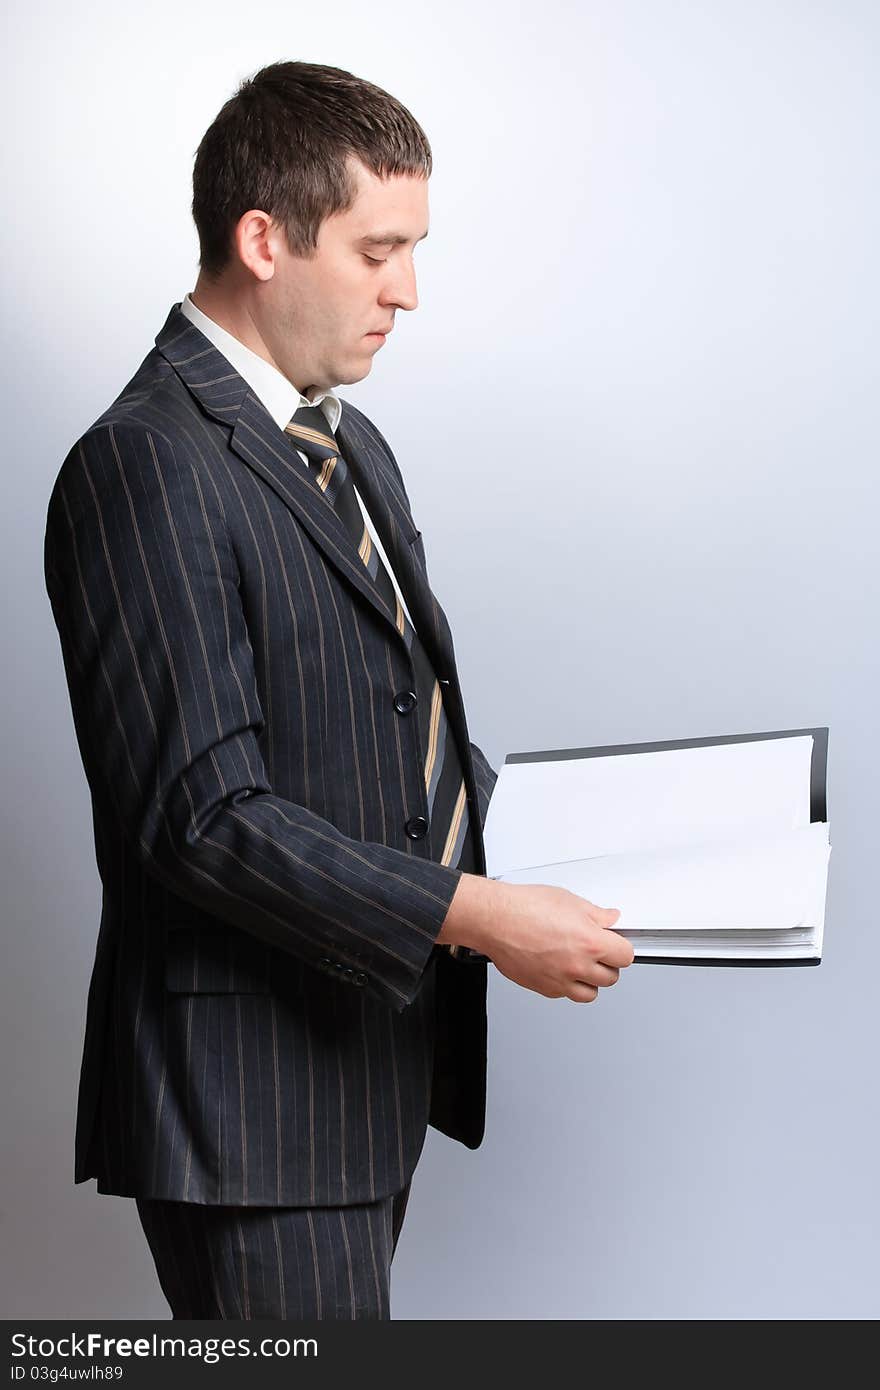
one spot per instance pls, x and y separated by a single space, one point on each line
470 918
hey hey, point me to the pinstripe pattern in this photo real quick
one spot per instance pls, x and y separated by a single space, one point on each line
289 1263
447 820
262 1026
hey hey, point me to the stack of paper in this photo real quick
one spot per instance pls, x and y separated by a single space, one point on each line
706 847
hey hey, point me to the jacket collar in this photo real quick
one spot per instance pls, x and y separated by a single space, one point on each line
256 439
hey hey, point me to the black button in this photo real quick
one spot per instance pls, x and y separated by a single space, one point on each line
360 978
405 701
416 827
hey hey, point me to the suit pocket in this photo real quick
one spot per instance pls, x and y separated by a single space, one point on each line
216 960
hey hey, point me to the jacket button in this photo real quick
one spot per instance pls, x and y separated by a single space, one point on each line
405 701
360 978
416 827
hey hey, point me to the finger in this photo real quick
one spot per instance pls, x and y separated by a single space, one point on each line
603 975
616 950
580 992
603 915
597 972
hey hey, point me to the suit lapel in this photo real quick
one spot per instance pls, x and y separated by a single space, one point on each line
389 512
376 479
257 440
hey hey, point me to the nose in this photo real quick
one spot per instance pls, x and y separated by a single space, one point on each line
400 288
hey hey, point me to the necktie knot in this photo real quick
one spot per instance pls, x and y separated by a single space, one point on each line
311 432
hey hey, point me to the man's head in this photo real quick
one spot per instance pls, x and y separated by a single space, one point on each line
310 192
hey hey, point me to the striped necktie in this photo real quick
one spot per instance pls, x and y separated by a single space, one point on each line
447 827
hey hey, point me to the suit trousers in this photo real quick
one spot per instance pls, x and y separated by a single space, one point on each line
294 1263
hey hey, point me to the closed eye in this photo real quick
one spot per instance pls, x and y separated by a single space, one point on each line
373 260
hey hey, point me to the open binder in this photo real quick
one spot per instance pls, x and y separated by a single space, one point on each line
714 857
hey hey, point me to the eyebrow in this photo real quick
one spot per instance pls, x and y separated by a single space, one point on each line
387 239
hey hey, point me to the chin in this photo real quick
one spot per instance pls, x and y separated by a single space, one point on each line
354 374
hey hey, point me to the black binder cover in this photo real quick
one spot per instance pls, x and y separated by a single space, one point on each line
818 805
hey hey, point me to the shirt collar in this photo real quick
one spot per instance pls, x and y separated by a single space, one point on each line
280 397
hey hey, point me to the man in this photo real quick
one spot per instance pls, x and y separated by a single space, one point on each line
290 976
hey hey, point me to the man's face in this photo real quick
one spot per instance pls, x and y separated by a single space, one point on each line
321 317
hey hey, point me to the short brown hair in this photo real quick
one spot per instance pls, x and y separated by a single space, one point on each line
281 144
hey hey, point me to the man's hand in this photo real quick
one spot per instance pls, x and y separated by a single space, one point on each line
545 939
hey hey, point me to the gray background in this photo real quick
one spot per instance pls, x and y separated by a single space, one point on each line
649 310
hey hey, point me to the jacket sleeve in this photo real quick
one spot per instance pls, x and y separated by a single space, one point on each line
143 582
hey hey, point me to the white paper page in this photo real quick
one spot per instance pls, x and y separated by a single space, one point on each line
799 942
732 948
574 808
767 882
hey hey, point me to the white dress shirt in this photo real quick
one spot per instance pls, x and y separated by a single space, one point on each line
281 398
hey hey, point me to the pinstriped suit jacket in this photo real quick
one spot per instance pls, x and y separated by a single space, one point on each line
269 1021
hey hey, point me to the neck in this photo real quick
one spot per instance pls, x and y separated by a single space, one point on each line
231 313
